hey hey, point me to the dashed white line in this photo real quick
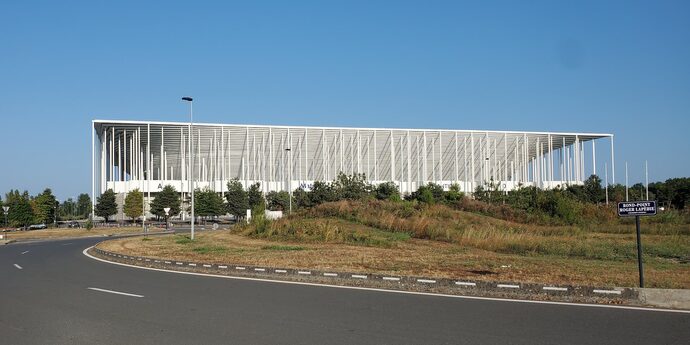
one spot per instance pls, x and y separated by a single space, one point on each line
508 286
610 292
303 272
391 278
465 283
24 252
221 266
274 281
239 268
168 262
331 274
115 292
260 269
428 281
178 263
554 288
205 265
281 271
17 266
190 264
359 276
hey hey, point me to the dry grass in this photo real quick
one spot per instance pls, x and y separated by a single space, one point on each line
412 257
66 233
436 241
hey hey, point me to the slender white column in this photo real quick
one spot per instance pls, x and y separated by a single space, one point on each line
323 154
464 170
359 157
457 177
594 157
306 152
440 156
409 167
392 157
376 173
613 164
148 162
93 170
472 160
424 159
505 157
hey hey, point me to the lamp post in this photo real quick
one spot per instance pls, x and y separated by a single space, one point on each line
191 157
57 203
167 212
289 151
5 210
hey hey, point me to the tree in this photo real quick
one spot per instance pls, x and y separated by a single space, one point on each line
236 197
207 203
45 207
352 187
83 205
592 190
167 197
134 204
323 192
278 201
454 194
387 191
254 196
106 205
20 213
302 198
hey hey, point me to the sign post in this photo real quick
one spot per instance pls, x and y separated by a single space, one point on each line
637 209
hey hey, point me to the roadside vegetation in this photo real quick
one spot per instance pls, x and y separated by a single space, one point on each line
566 235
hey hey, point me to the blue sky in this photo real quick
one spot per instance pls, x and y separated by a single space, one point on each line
601 66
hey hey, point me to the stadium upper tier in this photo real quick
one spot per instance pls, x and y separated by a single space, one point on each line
150 155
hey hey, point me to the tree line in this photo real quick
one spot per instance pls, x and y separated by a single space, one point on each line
25 209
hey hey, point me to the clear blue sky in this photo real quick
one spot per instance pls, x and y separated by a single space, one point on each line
601 66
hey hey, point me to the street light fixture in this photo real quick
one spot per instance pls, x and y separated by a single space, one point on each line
167 212
191 157
5 210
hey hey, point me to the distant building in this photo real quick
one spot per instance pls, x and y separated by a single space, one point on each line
150 155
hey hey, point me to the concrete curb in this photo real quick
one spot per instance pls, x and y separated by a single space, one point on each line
529 291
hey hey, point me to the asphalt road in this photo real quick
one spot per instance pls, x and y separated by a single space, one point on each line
45 299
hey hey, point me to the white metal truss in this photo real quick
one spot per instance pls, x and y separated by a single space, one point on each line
150 155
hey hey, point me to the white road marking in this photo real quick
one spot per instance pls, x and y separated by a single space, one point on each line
610 292
428 281
205 265
24 252
465 283
260 269
239 268
554 288
168 262
66 244
303 272
331 274
115 292
508 286
221 266
192 265
359 276
17 266
275 281
281 271
391 278
178 263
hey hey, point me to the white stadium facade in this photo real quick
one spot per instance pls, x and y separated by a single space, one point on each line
145 155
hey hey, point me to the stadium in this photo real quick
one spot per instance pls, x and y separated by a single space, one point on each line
144 155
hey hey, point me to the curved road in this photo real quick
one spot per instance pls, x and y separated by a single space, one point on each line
50 293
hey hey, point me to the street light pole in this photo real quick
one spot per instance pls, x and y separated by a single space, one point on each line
5 209
57 203
191 157
167 212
